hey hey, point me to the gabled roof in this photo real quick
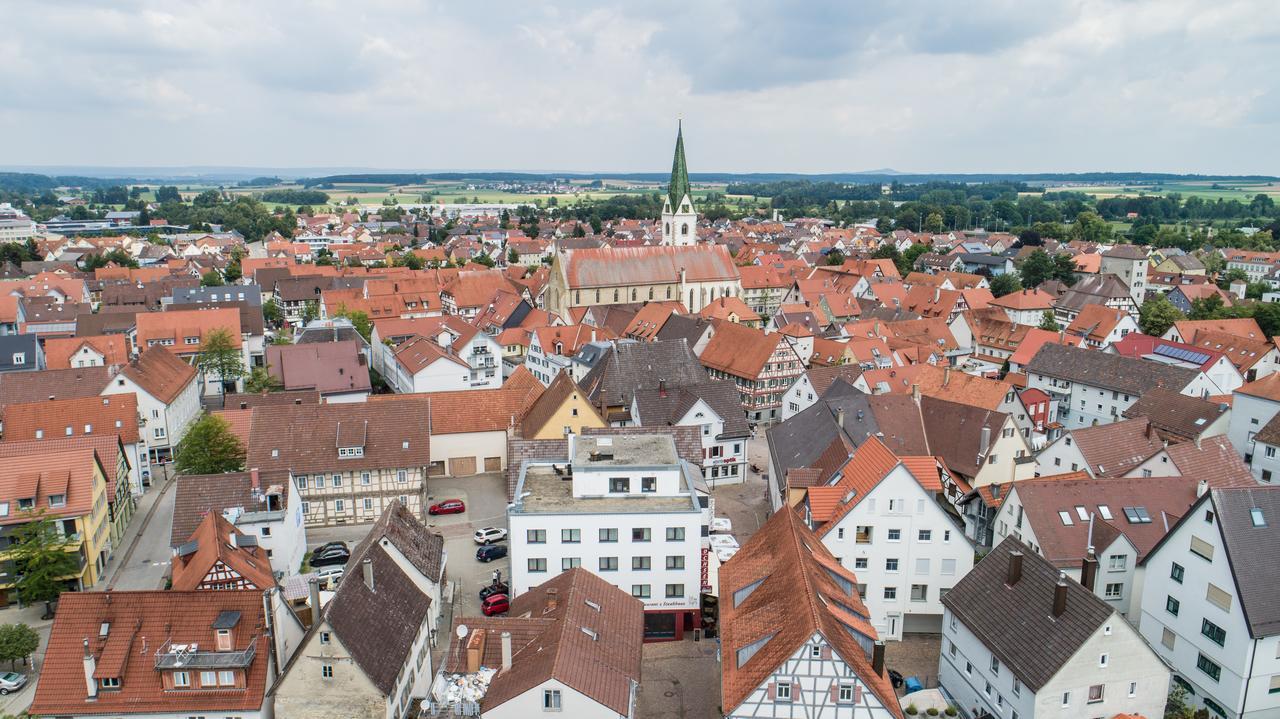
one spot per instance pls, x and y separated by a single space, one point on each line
604 664
1114 449
1095 322
550 401
607 267
1108 371
1176 416
1266 388
1002 617
158 372
631 366
1251 550
1033 299
65 471
799 590
139 623
954 432
59 351
1212 459
740 350
212 540
660 407
115 414
19 387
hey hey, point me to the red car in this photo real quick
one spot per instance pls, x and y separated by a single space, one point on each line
495 604
448 506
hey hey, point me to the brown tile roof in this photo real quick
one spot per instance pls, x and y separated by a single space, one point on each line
417 353
631 366
213 547
549 402
477 410
801 590
1095 322
19 387
1033 299
956 386
1212 459
954 432
1267 388
1114 449
160 373
1244 327
649 320
38 474
140 624
867 466
423 547
196 495
740 350
327 367
609 266
115 414
1164 498
109 451
1002 617
822 377
1242 352
303 439
263 399
1176 417
58 351
604 665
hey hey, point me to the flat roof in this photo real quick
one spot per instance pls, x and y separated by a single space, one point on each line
551 493
636 450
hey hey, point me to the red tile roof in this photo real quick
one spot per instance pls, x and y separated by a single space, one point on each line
213 551
178 325
610 267
59 352
139 624
115 414
160 373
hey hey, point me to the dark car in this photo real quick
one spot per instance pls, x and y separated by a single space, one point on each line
448 506
495 604
329 546
330 557
490 552
495 588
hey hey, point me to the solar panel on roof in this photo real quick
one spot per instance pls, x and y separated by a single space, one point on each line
1182 353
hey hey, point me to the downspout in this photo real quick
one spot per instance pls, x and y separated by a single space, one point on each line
1244 700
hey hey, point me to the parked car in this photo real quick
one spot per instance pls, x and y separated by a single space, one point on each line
331 573
490 534
495 604
13 681
448 506
495 588
490 552
331 545
330 557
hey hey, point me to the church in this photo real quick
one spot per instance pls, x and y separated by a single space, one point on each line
679 218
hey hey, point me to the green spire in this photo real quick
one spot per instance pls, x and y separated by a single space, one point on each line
679 186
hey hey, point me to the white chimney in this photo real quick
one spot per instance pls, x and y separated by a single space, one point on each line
506 651
1202 487
367 565
985 441
90 667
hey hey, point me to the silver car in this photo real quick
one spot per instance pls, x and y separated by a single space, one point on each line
490 534
12 682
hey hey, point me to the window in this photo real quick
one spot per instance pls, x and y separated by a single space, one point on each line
1017 687
620 484
365 478
181 679
1209 667
1114 590
1274 687
1201 548
922 566
675 591
783 692
862 535
537 564
368 504
641 564
57 500
675 534
1176 572
1171 605
609 534
995 666
337 480
640 534
1066 699
1167 638
301 482
402 476
608 564
1215 633
895 535
536 536
226 679
891 565
324 637
925 535
919 592
648 484
551 700
571 536
1117 562
1218 598
110 683
1133 689
339 505
19 358
948 568
891 593
675 561
860 563
1095 693
1103 659
845 694
568 563
640 591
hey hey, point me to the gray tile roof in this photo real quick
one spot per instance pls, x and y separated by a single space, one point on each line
1252 551
659 408
12 344
690 328
1016 623
1176 415
1114 372
632 366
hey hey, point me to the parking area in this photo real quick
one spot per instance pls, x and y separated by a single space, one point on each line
915 656
681 680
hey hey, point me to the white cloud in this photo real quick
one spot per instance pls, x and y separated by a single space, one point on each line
990 85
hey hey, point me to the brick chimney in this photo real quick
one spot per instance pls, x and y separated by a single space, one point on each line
877 658
1089 570
1015 568
1060 596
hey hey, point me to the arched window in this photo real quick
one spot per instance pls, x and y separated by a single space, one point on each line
577 297
633 294
667 231
691 307
615 294
650 292
684 228
668 291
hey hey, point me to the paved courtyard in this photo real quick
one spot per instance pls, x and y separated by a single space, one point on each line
679 680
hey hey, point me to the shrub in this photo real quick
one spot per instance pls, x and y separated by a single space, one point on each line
912 710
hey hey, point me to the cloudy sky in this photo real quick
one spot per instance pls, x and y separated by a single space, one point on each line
832 86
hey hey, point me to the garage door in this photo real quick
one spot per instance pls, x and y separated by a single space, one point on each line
462 466
493 464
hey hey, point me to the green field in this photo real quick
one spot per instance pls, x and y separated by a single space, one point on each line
1242 191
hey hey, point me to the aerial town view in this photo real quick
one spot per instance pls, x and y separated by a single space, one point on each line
866 360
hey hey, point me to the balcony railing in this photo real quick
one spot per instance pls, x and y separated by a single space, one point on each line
191 656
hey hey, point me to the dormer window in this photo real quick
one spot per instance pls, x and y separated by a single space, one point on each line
19 357
57 500
224 640
109 683
26 503
350 452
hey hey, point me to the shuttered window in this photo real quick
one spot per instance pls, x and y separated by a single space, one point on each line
1201 548
1218 598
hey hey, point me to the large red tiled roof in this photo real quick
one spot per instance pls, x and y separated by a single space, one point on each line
115 414
213 547
60 352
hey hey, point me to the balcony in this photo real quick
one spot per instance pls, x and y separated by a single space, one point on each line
190 656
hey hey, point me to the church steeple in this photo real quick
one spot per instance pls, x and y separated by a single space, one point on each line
679 186
679 218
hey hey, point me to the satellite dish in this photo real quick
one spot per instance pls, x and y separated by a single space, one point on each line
461 631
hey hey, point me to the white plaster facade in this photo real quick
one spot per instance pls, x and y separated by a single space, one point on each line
819 685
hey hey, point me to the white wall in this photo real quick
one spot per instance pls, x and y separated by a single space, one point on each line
1249 415
572 704
469 444
813 700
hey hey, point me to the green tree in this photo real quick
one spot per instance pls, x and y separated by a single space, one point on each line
1267 315
209 447
1038 267
310 311
233 272
1064 269
17 641
411 261
1049 322
483 259
1002 285
513 257
835 257
261 380
359 320
907 261
1157 315
1209 307
1090 228
211 279
271 312
1177 706
43 560
118 256
220 357
933 223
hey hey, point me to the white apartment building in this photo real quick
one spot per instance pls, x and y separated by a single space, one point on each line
1252 430
1209 606
1129 263
713 408
996 656
905 549
168 399
14 225
624 507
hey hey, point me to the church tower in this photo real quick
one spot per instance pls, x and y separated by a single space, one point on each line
679 219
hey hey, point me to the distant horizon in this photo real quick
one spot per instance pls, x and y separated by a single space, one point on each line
813 88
